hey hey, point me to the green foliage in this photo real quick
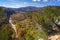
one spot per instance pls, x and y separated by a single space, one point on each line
30 30
28 26
4 31
3 17
4 25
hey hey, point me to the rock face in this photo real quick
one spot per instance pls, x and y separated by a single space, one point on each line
14 27
55 37
58 38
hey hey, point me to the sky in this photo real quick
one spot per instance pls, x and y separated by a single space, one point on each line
24 3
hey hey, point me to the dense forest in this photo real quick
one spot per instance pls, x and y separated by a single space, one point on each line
32 25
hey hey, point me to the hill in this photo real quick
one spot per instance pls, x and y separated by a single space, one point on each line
45 17
30 23
10 11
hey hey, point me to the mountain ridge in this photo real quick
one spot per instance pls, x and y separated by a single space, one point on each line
10 11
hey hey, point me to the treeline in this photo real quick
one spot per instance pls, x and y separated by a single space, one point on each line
5 27
47 17
31 25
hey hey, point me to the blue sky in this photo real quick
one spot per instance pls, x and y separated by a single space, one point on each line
23 3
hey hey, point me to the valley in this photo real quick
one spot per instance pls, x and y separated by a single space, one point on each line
30 23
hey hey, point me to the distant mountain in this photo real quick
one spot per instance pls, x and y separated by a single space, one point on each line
26 9
10 11
23 9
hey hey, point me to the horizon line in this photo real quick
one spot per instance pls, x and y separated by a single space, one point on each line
29 6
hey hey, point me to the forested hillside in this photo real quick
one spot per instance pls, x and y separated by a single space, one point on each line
31 25
5 27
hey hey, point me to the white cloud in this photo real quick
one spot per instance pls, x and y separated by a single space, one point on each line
58 0
36 0
45 0
13 0
25 2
